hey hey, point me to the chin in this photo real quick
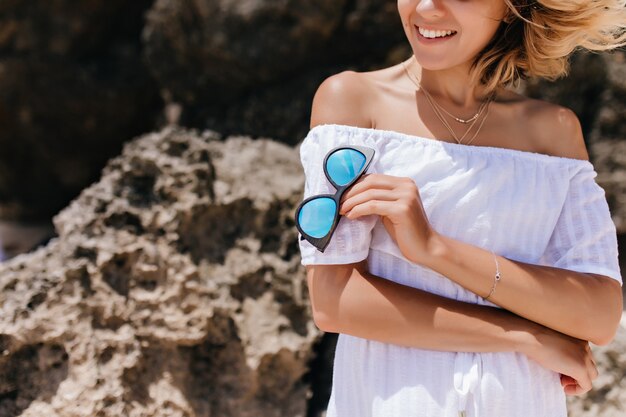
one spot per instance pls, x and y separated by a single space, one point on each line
433 64
437 63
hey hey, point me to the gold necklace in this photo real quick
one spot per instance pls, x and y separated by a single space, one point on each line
458 119
447 125
440 107
480 125
440 116
460 141
475 133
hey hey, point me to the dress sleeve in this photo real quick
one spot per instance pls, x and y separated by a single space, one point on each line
351 240
585 237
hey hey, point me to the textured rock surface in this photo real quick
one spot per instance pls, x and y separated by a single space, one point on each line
255 63
173 289
607 138
73 88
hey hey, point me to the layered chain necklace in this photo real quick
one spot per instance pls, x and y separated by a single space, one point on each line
437 109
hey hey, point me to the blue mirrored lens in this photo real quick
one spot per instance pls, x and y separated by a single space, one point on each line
344 164
316 216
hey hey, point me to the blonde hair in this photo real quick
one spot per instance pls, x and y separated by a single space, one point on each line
536 38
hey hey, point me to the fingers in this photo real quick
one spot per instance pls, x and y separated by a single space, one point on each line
585 381
574 389
381 181
567 380
581 383
578 384
591 355
592 369
570 386
391 209
370 194
372 190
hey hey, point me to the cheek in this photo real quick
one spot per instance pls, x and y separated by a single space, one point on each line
477 33
405 4
404 9
480 17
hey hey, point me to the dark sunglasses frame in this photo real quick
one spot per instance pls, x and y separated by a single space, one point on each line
322 242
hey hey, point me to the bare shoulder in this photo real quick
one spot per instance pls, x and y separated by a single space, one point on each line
556 128
342 99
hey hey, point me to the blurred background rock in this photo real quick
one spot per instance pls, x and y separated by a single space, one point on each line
158 276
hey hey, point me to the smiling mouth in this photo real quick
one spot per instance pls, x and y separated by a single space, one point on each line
435 33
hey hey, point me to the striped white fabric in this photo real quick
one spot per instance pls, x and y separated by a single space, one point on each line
526 206
584 238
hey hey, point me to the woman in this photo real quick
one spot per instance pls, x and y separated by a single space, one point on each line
477 259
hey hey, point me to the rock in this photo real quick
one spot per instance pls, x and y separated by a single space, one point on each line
256 64
174 288
72 90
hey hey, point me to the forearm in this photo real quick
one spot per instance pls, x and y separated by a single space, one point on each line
573 303
375 308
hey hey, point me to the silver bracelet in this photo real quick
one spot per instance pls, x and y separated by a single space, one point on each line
496 279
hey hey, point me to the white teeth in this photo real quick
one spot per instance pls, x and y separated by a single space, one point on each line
427 33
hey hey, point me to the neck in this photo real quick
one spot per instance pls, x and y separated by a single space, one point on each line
450 84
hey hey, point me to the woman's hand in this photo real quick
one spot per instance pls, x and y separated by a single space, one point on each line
569 356
397 201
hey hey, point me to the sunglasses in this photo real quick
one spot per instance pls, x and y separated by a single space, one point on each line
317 216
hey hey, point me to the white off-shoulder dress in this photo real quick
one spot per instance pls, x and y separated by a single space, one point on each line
525 206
